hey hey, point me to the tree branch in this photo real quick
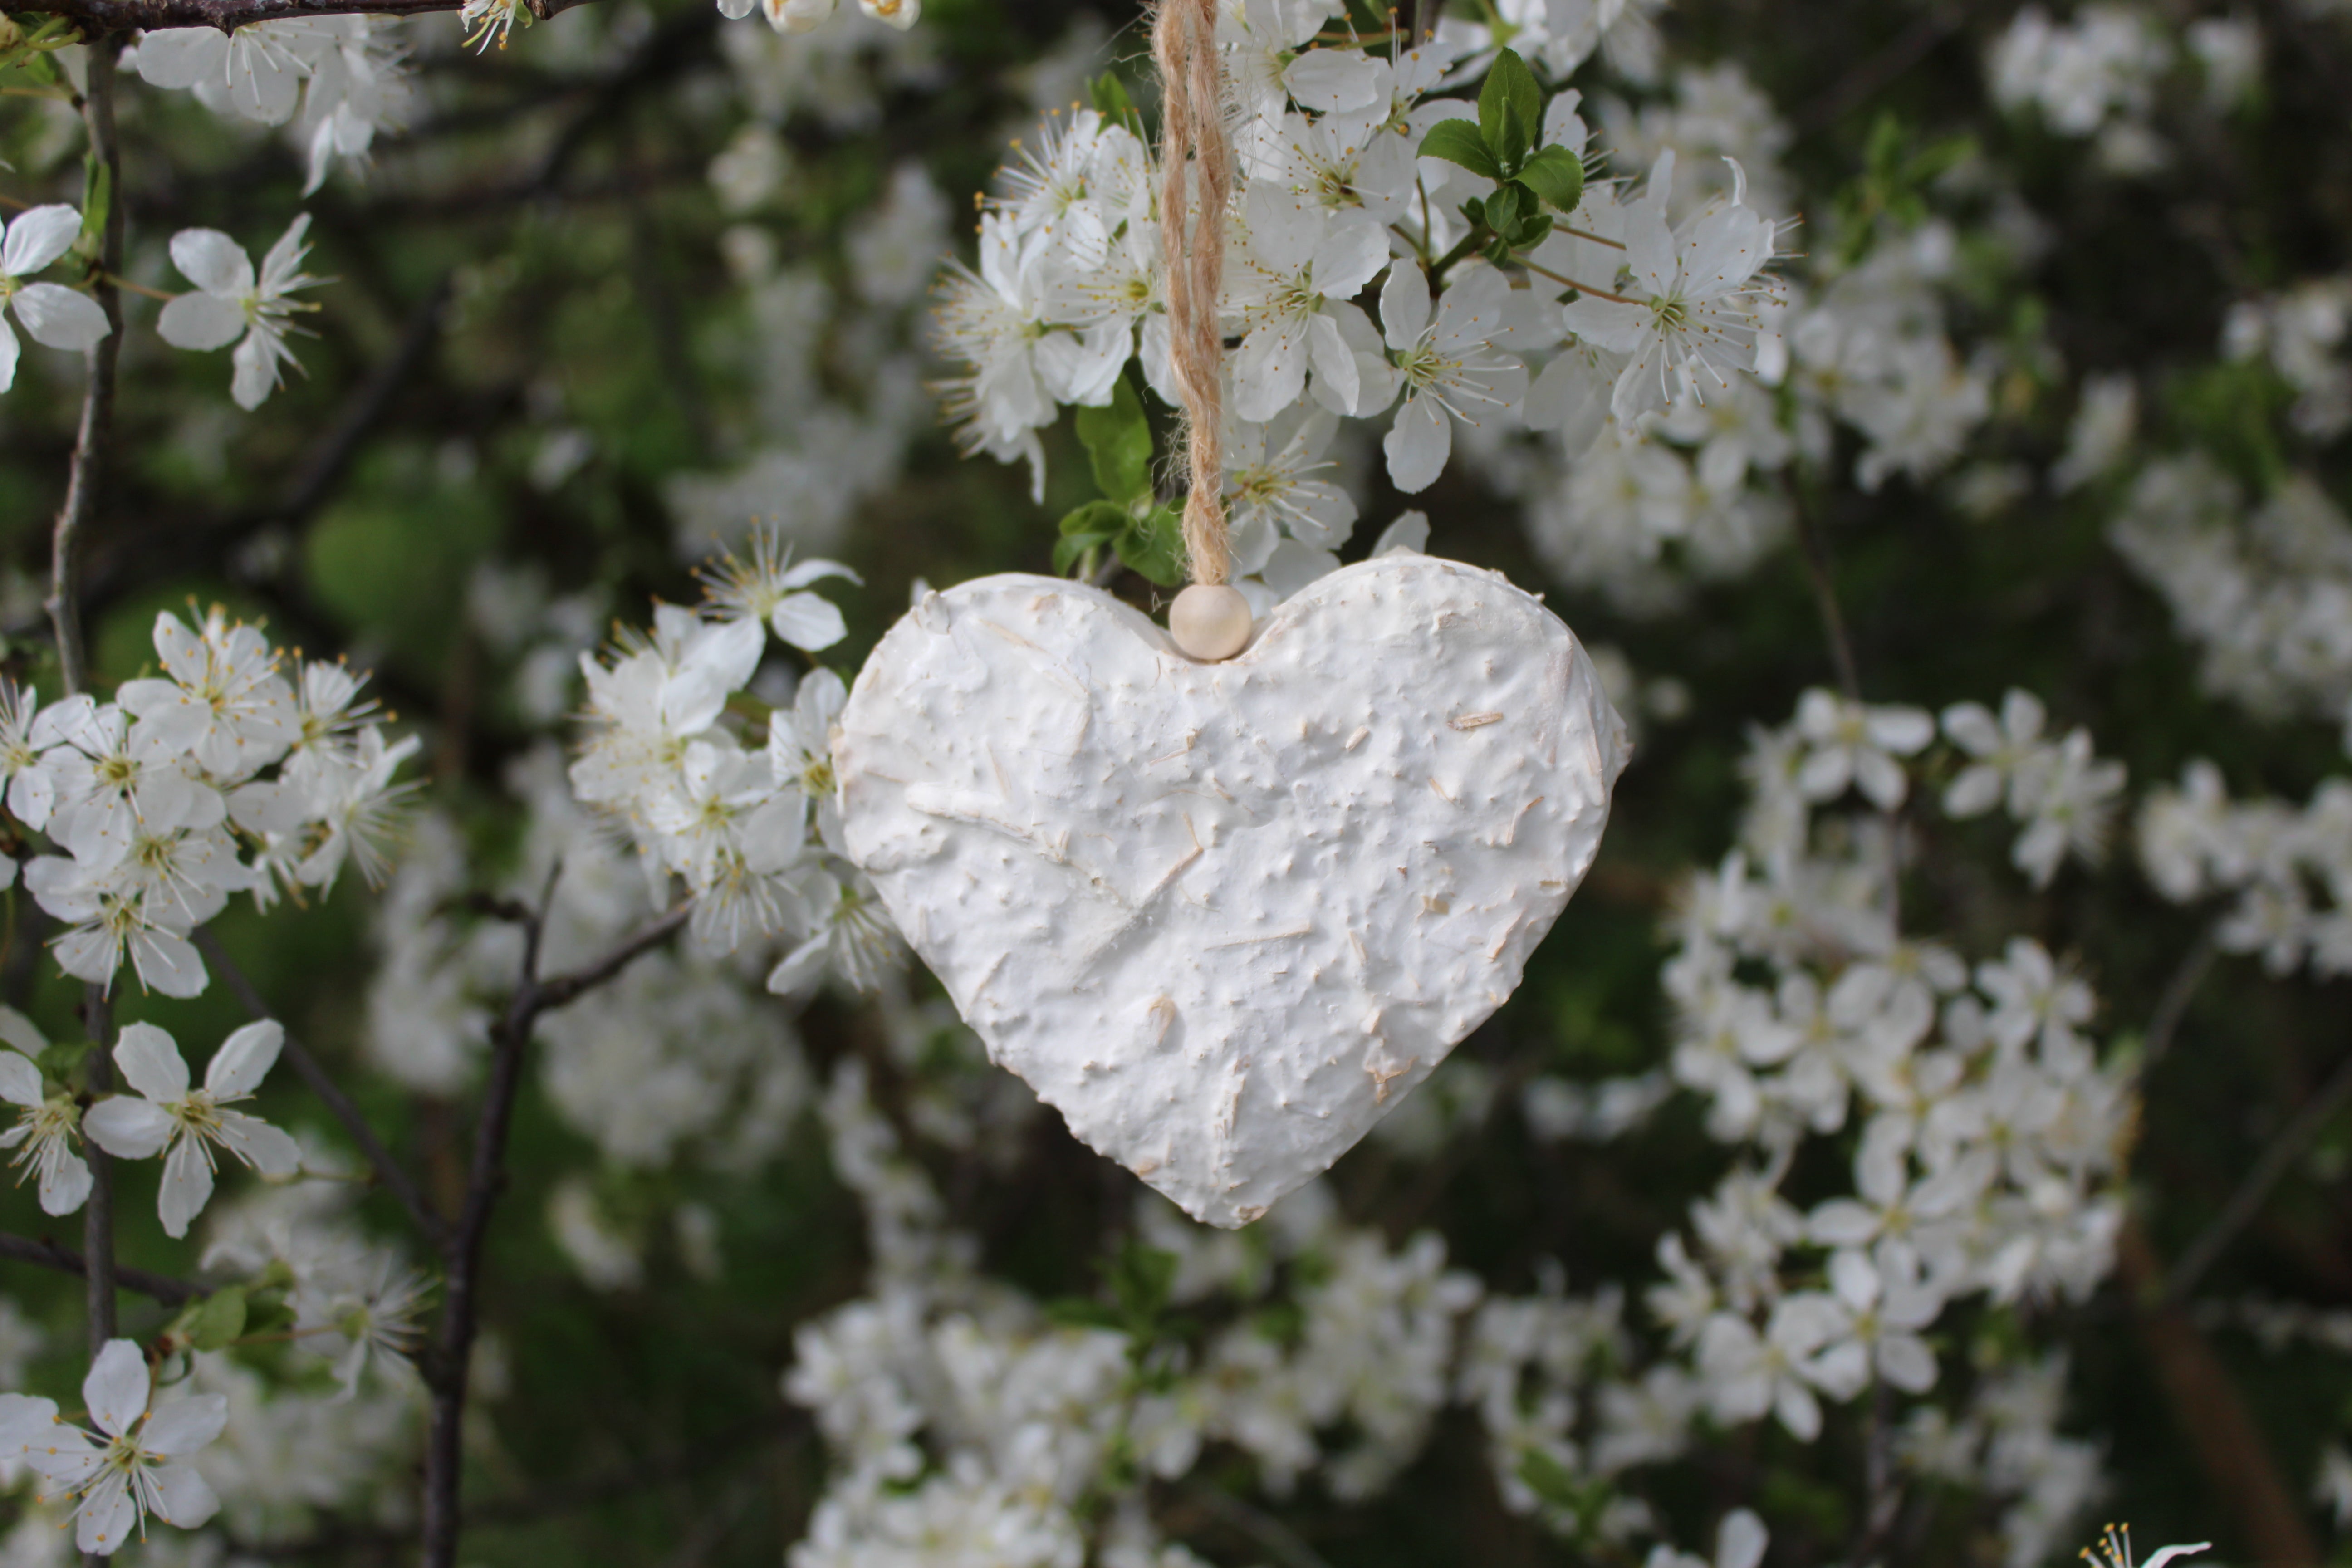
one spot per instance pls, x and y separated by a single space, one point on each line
2229 1447
2245 1203
564 988
65 1261
113 16
93 457
485 1182
388 1170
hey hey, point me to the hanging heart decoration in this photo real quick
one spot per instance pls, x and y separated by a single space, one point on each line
1224 894
1224 916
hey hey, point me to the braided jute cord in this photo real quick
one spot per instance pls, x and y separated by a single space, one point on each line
1195 184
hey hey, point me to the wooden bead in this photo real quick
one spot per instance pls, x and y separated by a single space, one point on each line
1210 622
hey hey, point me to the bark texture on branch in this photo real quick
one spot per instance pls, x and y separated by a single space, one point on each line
123 15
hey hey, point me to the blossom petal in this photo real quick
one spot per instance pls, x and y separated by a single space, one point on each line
1418 445
244 1059
807 621
1740 1542
20 1081
116 1389
212 262
1404 305
201 321
150 1062
181 1427
126 1127
268 1150
65 1184
38 238
182 1496
186 1188
60 317
108 1516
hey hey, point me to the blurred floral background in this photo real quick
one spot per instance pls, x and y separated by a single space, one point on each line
1925 1136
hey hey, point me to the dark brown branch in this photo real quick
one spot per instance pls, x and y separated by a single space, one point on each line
563 988
388 1170
1907 50
1815 550
65 1261
93 460
326 461
484 1182
2277 1156
742 1438
2171 1007
2212 1415
116 16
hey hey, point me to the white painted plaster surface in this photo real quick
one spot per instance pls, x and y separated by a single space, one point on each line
1223 917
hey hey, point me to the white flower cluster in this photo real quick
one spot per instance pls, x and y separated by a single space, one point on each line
960 1414
1991 1135
169 1117
1621 306
230 304
2097 74
754 834
134 1465
2266 590
1698 491
2062 793
265 1454
2301 332
344 72
221 776
2280 861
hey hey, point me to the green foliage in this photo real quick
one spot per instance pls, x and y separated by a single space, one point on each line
1461 141
1510 110
1148 537
1899 169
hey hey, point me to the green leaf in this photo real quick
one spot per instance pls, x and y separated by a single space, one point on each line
1510 110
1077 1312
1118 439
1458 141
1153 544
1557 175
1141 1277
221 1320
1097 519
63 1058
1503 209
97 197
1090 527
1110 99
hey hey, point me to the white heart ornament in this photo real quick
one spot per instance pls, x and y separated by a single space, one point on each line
1224 916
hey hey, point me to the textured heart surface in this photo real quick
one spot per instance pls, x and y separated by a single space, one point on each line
1223 917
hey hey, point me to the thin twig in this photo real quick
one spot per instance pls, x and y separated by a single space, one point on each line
485 1182
1277 1538
326 461
2247 1200
563 988
93 457
1907 50
388 1169
107 16
1815 550
742 1438
65 1261
1567 282
2164 1024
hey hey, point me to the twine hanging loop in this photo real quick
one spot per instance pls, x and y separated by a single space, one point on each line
1195 188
